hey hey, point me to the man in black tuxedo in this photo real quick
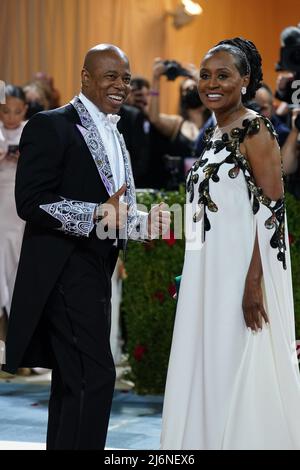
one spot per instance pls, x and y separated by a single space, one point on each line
74 188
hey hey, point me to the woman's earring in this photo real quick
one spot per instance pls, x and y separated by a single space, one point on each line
243 90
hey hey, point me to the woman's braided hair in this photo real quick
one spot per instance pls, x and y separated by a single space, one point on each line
248 62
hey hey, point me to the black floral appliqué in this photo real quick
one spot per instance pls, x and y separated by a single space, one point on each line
239 163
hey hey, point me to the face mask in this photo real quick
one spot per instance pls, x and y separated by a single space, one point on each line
190 99
33 108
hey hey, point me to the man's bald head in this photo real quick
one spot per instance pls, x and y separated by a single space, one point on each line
99 52
105 77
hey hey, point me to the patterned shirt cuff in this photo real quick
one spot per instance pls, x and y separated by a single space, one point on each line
140 229
76 217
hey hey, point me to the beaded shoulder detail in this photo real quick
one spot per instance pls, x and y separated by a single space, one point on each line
238 162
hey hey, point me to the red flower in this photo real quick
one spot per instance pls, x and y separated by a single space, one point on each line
139 351
172 290
291 239
159 295
169 238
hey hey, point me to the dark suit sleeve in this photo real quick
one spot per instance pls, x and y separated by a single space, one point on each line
39 174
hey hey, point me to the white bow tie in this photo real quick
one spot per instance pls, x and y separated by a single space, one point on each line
110 120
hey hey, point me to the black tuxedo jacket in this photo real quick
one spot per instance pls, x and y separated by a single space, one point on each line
54 163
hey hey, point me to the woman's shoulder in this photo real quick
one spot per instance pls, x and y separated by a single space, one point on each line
249 124
259 139
255 123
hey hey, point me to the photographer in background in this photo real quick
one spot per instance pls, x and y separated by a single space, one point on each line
135 127
146 145
139 95
182 129
289 109
289 63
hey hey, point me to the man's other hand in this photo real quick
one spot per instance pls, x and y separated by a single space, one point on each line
158 221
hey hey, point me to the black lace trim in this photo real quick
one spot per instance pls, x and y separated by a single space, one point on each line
231 143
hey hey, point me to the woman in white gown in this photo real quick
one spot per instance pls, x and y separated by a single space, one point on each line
12 115
233 377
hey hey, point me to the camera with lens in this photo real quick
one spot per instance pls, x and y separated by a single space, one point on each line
290 50
174 70
289 59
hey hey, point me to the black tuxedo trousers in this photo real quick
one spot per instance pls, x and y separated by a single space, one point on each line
78 319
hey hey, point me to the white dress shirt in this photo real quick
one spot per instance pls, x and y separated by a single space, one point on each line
108 132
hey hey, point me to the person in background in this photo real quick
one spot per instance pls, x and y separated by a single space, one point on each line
289 38
47 83
146 144
191 107
12 121
36 99
182 130
139 94
233 379
264 99
135 127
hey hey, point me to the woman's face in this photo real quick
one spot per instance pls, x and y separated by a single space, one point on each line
220 82
12 113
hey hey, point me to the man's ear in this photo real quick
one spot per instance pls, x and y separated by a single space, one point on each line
85 78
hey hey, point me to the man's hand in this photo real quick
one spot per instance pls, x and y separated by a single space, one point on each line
158 221
115 211
254 312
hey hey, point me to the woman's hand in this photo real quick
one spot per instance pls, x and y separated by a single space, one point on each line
158 68
254 312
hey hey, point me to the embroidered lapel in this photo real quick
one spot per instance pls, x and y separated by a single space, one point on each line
93 140
92 137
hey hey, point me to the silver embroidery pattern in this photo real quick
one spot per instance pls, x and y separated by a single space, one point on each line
76 217
95 145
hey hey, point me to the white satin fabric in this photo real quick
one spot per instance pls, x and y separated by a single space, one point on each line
228 388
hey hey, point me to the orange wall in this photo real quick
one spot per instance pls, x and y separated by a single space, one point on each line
53 35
